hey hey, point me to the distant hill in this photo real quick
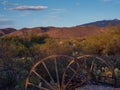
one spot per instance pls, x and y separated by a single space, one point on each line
104 23
6 31
63 33
81 31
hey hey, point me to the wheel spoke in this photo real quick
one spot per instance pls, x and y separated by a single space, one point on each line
92 65
43 79
69 80
56 70
47 71
79 84
64 74
74 73
41 88
72 69
84 81
85 63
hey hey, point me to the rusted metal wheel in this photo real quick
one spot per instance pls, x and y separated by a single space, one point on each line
95 69
55 72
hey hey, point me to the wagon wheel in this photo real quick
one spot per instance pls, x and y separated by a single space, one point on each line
52 73
93 68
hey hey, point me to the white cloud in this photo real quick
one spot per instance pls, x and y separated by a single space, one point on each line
6 22
106 0
25 13
57 11
54 15
1 15
21 8
6 3
112 1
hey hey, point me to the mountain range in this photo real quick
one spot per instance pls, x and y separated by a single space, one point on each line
104 23
6 31
80 31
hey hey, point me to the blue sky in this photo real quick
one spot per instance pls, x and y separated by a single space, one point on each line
60 13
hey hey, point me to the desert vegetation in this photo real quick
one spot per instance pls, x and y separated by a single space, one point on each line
19 54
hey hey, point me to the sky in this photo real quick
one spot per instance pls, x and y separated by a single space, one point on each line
59 13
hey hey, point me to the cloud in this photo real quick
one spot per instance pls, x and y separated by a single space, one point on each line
57 11
54 15
106 0
21 7
25 13
53 18
5 22
32 8
6 3
1 15
113 1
